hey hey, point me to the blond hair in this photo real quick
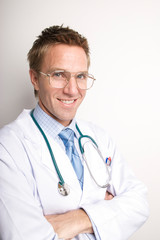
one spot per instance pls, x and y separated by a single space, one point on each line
52 36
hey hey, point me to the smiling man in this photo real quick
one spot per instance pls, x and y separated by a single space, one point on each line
62 102
50 189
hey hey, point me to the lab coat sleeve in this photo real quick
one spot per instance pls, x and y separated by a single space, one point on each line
119 218
21 216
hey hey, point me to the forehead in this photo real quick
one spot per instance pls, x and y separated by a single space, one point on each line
61 56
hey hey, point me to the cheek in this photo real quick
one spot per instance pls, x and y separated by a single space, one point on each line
83 94
46 93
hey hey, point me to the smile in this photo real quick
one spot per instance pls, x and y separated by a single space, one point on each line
67 101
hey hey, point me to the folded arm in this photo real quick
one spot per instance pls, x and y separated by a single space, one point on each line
70 224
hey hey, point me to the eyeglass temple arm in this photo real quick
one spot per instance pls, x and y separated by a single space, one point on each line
45 74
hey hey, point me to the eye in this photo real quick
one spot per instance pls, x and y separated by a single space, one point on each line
82 76
58 75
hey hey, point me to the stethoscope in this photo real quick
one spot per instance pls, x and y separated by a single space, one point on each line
63 187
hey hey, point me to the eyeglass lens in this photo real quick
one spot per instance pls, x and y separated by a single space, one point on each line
59 79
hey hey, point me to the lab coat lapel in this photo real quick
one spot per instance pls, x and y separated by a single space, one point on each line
40 152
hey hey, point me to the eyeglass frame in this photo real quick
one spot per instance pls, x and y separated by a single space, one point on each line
71 75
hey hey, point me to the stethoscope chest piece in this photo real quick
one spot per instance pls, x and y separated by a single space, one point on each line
63 189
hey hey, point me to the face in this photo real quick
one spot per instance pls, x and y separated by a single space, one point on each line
61 104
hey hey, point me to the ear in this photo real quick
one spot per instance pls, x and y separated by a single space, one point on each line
34 79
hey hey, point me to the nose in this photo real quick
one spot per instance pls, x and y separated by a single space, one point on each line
71 88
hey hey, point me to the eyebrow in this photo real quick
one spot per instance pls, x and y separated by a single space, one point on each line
55 68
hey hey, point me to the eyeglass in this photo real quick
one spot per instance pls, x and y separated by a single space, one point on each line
60 78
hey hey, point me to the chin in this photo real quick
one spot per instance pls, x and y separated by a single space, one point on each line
66 121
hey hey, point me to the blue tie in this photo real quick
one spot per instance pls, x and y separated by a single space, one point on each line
67 136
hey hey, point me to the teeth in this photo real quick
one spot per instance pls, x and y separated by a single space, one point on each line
67 101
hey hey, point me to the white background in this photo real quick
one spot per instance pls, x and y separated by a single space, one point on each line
124 37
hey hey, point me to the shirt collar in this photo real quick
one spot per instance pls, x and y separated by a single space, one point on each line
49 125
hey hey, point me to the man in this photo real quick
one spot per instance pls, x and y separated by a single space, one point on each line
34 203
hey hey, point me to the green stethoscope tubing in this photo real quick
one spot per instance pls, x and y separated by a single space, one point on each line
62 182
84 136
49 148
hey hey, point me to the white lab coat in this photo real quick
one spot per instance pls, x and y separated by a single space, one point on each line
28 186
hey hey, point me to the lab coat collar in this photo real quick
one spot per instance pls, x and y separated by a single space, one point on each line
41 153
34 142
